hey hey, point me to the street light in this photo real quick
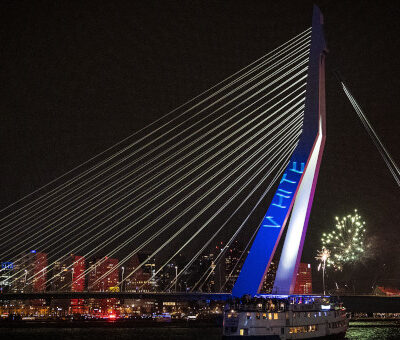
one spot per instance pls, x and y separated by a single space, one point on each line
176 276
72 283
122 280
323 256
26 273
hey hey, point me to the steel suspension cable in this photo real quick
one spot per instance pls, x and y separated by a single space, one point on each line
300 36
130 174
46 207
197 215
144 216
188 208
390 163
41 234
193 259
209 150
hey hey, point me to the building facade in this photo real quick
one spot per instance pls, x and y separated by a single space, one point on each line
303 280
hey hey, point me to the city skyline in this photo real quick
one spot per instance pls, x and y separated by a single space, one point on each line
200 169
67 129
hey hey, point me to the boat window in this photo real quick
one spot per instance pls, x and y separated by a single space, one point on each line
244 331
270 316
264 316
312 328
275 316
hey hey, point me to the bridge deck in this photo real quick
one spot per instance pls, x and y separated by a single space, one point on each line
117 295
353 303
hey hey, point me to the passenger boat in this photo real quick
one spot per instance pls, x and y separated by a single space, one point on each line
281 317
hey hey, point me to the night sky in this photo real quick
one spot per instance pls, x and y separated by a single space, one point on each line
78 77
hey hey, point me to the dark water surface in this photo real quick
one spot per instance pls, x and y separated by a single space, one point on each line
357 331
374 330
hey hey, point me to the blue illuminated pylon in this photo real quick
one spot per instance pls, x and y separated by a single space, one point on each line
296 187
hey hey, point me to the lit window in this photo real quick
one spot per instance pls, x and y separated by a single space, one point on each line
275 316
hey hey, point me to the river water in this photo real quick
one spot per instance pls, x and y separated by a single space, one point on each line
357 331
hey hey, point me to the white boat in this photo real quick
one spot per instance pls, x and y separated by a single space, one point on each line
281 317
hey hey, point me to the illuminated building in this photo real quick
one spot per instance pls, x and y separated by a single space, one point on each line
206 261
67 274
78 279
233 256
386 291
31 272
166 277
149 267
303 279
269 278
218 268
78 284
5 276
62 276
39 279
139 280
103 275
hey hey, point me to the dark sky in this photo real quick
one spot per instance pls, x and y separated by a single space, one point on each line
77 77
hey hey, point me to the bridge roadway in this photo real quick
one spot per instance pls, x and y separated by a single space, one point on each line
353 303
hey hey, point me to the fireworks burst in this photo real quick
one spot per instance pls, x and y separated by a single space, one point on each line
323 255
346 242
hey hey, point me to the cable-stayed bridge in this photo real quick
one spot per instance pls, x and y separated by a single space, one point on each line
165 209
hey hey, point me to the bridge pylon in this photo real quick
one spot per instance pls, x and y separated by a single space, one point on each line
295 192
